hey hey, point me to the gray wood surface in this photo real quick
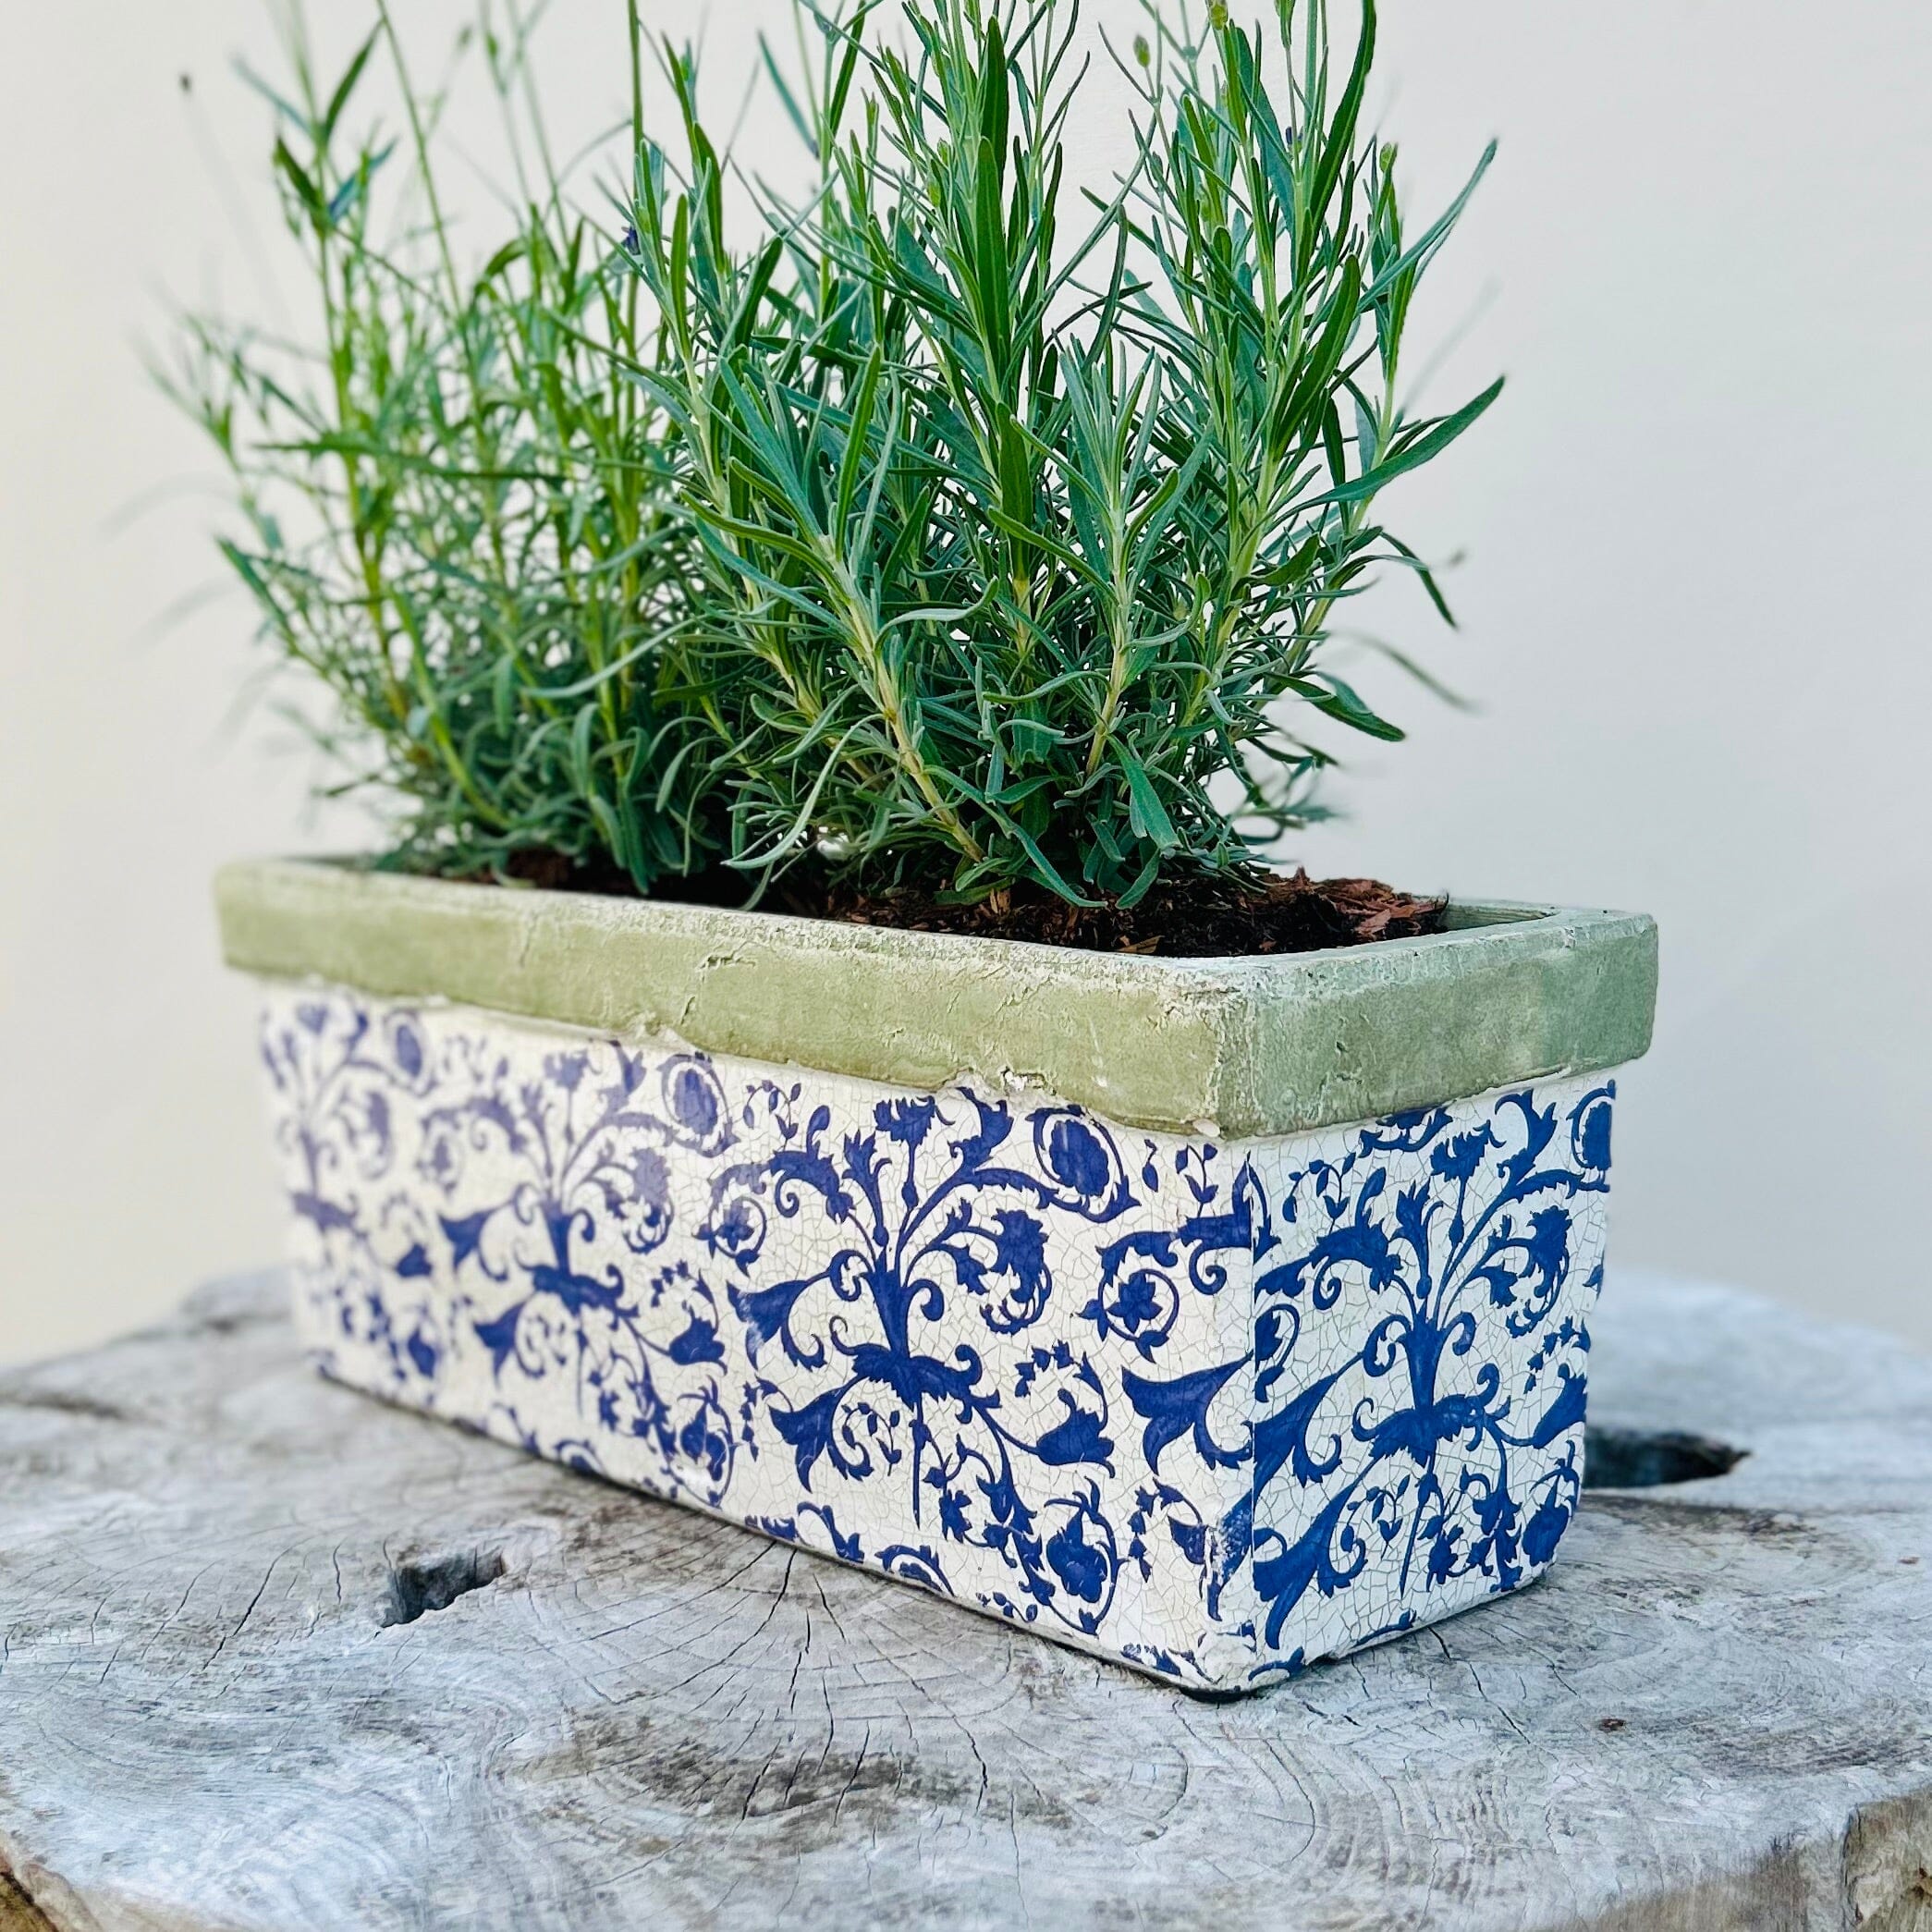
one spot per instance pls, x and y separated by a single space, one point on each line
227 1701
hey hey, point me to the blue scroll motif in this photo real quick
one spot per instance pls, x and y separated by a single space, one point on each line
1436 1444
929 1248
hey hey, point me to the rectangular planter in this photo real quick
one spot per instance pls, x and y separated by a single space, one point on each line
1213 1316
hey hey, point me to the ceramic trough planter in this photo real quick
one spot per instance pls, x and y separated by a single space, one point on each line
1217 1317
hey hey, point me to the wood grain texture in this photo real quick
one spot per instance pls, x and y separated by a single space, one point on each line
227 1699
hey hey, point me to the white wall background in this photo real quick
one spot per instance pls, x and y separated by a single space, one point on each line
1694 606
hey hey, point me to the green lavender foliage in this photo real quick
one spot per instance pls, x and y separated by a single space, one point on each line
1023 517
452 498
958 525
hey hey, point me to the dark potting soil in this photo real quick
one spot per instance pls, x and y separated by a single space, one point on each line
1241 916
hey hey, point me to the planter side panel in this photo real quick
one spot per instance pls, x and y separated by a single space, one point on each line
915 1331
1216 1410
1424 1289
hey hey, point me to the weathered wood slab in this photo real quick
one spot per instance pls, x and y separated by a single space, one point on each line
228 1700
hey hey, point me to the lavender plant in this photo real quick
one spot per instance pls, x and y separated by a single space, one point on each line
939 520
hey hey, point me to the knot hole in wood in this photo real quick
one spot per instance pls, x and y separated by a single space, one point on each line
1652 1458
428 1583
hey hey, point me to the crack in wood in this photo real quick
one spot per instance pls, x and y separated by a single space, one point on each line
17 1911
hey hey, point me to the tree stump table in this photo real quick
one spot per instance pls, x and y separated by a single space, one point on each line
274 1656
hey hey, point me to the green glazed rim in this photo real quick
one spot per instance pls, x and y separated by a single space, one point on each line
1244 1048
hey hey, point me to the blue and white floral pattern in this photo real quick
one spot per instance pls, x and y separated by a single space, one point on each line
1216 1410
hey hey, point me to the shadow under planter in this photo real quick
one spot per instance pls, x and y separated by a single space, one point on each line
1214 1316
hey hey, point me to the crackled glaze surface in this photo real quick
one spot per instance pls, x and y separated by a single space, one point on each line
1215 1410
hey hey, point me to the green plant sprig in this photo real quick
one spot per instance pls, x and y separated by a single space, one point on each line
453 506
